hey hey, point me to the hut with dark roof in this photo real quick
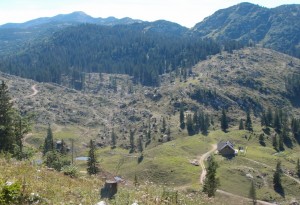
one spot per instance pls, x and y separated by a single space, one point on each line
226 148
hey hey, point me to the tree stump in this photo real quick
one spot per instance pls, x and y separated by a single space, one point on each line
110 189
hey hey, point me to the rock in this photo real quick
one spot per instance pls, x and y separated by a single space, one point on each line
249 176
101 203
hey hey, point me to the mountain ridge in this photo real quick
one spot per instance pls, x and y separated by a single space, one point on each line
276 28
74 17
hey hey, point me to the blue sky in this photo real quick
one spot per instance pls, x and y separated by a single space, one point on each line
184 12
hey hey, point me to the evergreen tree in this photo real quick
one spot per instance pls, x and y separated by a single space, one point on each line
224 121
275 143
269 117
92 167
7 135
252 193
131 141
164 125
48 144
113 139
181 118
277 122
205 125
189 124
196 123
211 182
277 178
241 126
298 168
262 140
280 143
248 123
22 126
63 148
140 144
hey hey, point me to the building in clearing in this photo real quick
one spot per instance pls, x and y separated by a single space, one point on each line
226 148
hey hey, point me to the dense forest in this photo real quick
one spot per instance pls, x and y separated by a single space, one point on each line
136 50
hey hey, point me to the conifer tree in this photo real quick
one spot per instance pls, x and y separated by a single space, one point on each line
224 121
63 148
164 125
211 182
181 118
113 139
92 167
140 144
277 122
280 143
269 117
189 124
241 125
7 137
277 178
196 123
131 141
275 143
252 193
248 123
48 144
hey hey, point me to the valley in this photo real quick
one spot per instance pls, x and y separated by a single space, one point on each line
206 115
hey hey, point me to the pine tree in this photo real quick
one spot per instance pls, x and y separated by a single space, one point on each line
92 167
269 117
298 168
224 121
181 118
63 148
248 123
280 143
275 143
189 124
241 126
277 178
277 122
7 135
140 144
211 182
196 123
113 139
252 193
48 144
164 125
131 141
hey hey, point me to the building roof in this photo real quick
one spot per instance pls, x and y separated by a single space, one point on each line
223 144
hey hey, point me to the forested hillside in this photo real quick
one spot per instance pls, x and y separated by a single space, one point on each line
277 28
143 51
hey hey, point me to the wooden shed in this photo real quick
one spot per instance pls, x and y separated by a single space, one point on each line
226 148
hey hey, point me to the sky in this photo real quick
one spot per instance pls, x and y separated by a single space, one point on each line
184 12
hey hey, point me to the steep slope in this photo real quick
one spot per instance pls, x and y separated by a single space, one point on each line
276 28
250 78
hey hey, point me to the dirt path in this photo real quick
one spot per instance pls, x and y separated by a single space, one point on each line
243 198
267 166
203 174
35 91
201 162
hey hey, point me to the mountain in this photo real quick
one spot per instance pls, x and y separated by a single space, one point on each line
72 18
14 36
277 28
